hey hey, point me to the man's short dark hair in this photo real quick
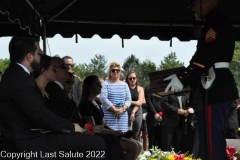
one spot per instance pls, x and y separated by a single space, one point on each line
66 57
19 47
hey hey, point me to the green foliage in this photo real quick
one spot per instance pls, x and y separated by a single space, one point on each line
142 69
4 63
97 66
237 46
235 64
146 67
170 61
130 64
82 70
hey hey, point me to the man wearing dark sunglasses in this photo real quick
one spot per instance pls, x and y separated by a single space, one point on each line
77 87
68 85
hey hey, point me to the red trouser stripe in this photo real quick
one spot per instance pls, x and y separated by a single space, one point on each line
209 117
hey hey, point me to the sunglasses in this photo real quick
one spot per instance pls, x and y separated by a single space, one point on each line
115 70
62 66
131 78
72 65
70 81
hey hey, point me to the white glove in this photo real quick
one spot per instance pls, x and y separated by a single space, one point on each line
175 84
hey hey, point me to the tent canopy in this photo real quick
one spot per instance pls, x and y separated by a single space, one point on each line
126 18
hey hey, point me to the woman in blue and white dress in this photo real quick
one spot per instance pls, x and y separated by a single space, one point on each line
116 99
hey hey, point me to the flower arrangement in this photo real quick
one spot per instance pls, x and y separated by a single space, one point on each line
232 152
156 154
118 105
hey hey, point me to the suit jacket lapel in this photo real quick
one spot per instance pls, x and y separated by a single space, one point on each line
68 99
63 93
74 108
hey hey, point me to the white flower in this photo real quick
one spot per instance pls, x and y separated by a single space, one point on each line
190 110
142 158
146 153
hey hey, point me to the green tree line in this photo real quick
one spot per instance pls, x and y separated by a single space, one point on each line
98 65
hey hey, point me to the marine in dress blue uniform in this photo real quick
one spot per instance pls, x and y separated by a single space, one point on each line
212 83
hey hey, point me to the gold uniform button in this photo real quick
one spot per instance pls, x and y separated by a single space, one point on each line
185 72
180 77
191 68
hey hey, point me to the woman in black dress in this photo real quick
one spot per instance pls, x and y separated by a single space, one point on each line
91 112
135 110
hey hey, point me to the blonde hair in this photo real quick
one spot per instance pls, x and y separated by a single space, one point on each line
101 80
113 64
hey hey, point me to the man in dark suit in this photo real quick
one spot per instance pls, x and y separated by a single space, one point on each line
66 109
174 112
153 119
24 115
58 96
77 87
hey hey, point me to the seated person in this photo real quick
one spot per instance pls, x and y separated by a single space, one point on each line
65 108
68 85
92 113
24 114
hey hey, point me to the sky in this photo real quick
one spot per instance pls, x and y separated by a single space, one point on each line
87 48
